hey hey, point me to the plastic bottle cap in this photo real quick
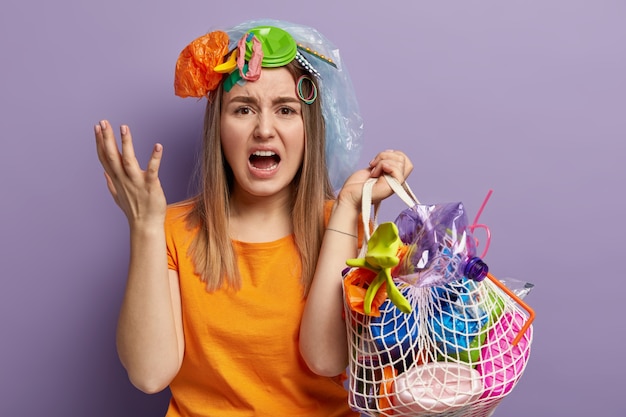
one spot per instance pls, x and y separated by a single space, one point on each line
476 269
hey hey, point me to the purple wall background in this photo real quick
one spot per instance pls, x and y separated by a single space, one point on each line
527 98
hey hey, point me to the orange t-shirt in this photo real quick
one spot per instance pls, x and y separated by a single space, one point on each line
241 347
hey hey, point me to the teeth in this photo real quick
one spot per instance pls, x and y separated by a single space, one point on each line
264 153
267 169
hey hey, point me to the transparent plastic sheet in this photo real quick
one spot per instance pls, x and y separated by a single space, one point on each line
518 287
464 344
439 242
344 125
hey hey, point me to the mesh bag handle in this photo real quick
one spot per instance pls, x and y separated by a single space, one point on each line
401 190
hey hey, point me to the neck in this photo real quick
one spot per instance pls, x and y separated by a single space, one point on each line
260 219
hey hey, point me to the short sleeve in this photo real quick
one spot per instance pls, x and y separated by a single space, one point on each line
177 234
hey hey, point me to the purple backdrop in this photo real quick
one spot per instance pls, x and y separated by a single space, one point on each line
527 98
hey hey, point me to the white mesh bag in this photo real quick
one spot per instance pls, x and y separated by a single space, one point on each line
428 334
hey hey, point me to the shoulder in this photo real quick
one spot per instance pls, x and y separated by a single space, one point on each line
180 209
176 217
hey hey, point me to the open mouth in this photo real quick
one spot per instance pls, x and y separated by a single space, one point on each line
264 160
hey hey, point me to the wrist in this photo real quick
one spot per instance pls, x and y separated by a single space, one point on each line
346 202
345 209
344 217
147 227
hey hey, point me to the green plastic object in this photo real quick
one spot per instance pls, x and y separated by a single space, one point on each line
381 258
279 47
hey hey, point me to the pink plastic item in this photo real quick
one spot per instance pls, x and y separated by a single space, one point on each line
435 387
502 363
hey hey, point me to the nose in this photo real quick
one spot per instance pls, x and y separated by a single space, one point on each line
264 128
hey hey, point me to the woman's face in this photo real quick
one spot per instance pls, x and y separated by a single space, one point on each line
262 133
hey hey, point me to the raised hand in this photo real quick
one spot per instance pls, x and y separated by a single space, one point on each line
137 192
393 163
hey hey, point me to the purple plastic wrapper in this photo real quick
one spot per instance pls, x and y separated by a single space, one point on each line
440 243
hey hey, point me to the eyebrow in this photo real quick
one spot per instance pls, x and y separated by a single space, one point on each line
252 100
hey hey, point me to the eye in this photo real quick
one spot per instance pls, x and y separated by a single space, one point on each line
286 111
243 110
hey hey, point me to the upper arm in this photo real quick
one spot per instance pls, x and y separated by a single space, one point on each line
177 313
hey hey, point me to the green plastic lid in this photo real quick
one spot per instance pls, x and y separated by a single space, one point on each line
279 47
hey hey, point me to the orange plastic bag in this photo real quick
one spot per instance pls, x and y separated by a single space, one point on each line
195 75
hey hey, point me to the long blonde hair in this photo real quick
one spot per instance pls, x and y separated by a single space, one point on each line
211 250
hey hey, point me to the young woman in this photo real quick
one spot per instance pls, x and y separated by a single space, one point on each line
233 297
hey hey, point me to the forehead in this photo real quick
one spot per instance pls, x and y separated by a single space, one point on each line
273 82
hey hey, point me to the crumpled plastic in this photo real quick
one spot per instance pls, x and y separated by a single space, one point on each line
458 315
355 284
195 75
439 241
395 333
